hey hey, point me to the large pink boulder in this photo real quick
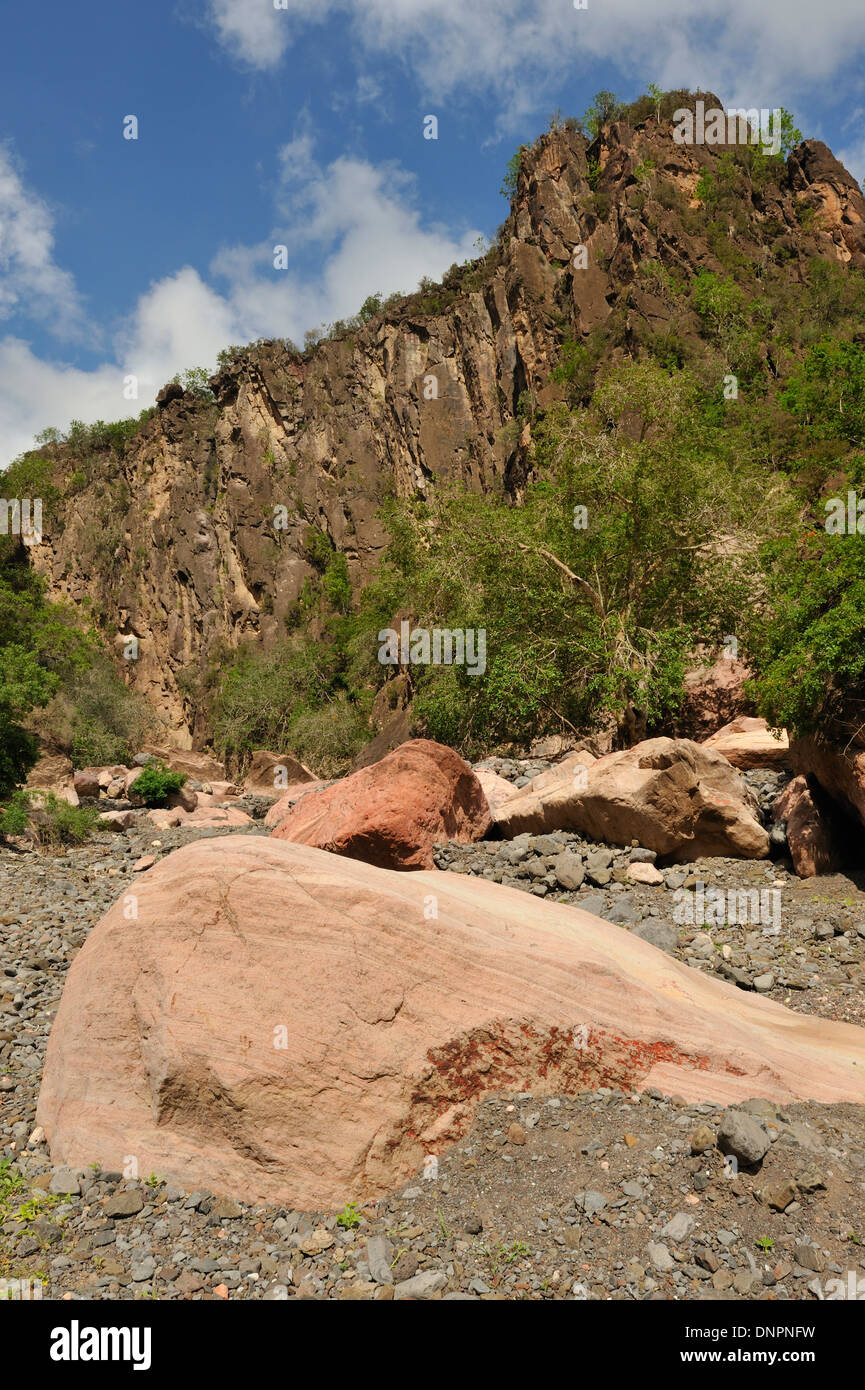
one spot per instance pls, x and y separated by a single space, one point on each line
748 743
290 1026
679 798
810 836
392 813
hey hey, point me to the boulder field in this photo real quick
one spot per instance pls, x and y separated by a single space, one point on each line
275 1023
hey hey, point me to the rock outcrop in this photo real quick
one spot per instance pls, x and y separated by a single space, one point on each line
671 795
392 813
284 1025
201 533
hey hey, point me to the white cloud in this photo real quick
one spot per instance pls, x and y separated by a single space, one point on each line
853 158
751 54
30 280
255 31
355 222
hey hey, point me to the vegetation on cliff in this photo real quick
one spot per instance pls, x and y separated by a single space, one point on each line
666 486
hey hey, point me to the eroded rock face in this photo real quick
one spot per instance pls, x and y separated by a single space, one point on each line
839 770
190 561
392 813
289 1026
671 795
748 743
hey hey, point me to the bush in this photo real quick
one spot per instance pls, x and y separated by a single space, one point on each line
156 783
55 822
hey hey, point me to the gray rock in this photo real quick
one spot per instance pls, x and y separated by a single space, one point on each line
128 1203
642 856
658 933
660 1257
65 1180
421 1286
591 1202
592 902
378 1259
743 1136
679 1227
569 870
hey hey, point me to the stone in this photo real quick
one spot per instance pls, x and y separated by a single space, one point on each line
378 1255
201 767
421 1285
516 1134
195 1035
742 1136
645 873
569 871
673 796
810 833
810 1257
65 1180
662 935
118 820
127 1202
660 1257
702 1140
749 743
87 785
679 1227
392 813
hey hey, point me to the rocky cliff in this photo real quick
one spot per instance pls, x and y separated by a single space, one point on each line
201 533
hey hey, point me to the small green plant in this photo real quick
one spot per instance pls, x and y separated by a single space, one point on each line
152 1181
156 783
349 1218
765 1243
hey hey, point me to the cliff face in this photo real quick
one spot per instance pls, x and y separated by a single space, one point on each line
175 542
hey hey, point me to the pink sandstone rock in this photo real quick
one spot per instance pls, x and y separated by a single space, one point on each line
748 743
497 790
284 1025
679 798
391 813
290 797
809 833
118 820
86 783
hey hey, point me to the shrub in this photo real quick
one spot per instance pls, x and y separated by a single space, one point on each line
156 783
55 822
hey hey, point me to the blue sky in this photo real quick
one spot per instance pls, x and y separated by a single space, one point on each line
303 125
